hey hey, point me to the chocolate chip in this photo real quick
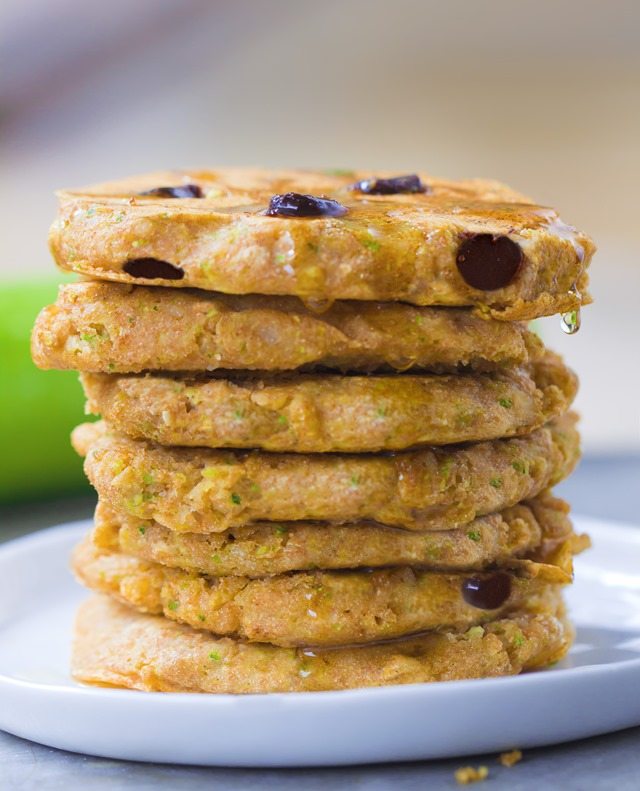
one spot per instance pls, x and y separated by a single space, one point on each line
392 186
184 191
487 593
293 204
152 268
487 262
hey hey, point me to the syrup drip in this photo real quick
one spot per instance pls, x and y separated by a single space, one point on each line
562 231
570 322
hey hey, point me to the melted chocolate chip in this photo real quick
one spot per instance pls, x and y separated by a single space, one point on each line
393 186
152 268
293 204
183 191
487 262
487 593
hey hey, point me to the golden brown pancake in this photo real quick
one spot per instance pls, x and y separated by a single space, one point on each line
208 491
320 608
321 414
534 530
117 646
119 328
467 243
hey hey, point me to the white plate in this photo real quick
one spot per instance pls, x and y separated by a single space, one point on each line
595 690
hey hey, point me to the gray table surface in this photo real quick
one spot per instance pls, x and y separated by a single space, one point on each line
606 487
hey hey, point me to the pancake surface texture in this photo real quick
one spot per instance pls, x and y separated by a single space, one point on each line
532 530
321 608
118 328
321 414
468 243
208 491
116 646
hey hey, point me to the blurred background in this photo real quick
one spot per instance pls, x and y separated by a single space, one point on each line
543 95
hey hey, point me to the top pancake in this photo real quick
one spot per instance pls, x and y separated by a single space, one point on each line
398 247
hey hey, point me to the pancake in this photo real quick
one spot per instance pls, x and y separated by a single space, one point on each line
535 530
208 491
320 608
116 646
321 414
118 328
468 243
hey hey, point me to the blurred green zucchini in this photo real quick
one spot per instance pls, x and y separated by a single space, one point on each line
38 409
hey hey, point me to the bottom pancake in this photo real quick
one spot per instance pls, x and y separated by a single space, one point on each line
116 646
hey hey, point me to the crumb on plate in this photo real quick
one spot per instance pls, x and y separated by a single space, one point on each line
468 774
511 758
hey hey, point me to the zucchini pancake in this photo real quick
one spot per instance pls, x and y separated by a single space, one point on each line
328 437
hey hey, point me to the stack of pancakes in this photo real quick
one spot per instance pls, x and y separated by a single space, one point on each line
328 437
